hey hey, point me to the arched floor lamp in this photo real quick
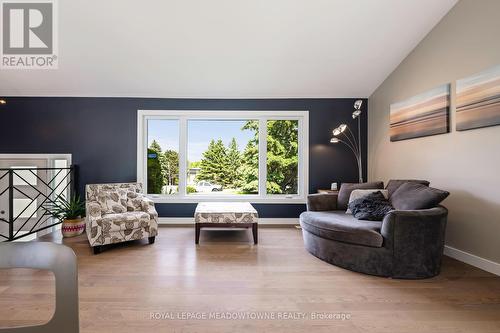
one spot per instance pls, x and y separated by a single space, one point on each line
349 139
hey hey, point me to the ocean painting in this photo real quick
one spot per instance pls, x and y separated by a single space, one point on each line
421 115
478 100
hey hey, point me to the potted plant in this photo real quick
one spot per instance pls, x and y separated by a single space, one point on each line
71 212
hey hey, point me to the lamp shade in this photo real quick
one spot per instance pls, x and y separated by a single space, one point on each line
334 140
356 114
357 104
342 127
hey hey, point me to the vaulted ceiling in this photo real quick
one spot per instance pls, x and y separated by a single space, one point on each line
228 48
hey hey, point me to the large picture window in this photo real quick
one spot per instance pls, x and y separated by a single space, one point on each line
219 157
190 156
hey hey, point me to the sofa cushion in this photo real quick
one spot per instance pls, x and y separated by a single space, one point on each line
347 188
112 202
338 226
372 207
413 196
358 194
394 184
125 221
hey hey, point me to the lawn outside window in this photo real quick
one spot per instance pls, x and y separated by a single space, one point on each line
193 156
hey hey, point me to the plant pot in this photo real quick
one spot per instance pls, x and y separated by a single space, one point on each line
72 228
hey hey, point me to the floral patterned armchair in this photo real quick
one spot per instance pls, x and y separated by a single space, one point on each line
118 213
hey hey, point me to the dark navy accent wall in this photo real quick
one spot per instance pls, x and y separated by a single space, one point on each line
101 134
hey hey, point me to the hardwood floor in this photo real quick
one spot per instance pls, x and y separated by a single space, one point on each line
121 288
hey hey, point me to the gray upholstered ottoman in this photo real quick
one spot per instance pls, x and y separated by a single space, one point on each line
225 215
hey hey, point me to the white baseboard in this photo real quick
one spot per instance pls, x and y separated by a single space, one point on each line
471 259
263 221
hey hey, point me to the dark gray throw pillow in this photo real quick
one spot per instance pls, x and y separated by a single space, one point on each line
412 196
372 207
347 188
394 184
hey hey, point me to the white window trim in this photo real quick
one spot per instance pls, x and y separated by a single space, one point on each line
262 116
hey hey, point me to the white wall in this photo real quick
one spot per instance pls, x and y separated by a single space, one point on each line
467 164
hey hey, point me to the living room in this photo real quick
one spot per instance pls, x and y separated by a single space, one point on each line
233 166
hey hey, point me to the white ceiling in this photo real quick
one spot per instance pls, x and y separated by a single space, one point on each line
228 48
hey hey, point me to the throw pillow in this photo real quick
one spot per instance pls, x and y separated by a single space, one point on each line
412 196
347 188
372 207
394 184
112 202
358 194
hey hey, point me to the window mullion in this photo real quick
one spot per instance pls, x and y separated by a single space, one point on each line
144 154
262 157
301 171
182 156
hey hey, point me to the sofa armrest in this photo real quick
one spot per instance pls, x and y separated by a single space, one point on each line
416 238
93 213
401 222
322 202
148 206
93 223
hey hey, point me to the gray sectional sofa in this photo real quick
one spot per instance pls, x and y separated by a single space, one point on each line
406 244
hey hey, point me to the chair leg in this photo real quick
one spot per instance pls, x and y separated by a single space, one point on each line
97 249
255 228
151 240
197 233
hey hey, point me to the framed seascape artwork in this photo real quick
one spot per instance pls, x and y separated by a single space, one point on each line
478 100
425 114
